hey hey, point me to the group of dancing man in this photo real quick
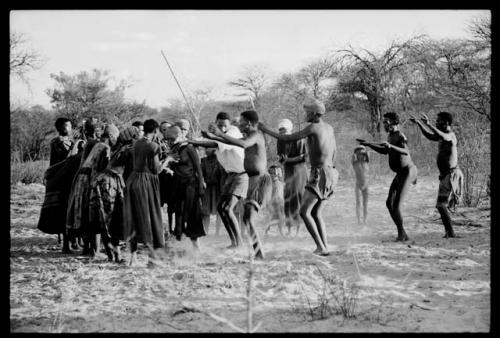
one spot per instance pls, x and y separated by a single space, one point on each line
108 186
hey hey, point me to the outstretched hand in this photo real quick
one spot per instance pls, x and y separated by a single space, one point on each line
208 135
424 118
214 130
170 159
385 144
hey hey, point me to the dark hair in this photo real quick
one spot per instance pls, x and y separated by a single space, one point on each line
137 124
251 116
392 116
89 128
150 126
445 116
60 123
222 116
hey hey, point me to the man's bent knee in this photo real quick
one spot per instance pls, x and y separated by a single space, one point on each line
304 212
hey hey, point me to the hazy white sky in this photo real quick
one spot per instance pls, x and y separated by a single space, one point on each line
209 47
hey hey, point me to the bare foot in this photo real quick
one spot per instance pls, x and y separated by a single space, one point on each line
133 260
451 235
259 255
321 253
98 257
119 260
196 245
317 251
232 246
402 238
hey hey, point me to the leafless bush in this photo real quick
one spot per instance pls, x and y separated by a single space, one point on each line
336 297
474 151
28 172
344 294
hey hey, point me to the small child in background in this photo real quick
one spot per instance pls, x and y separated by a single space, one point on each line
214 174
277 205
359 162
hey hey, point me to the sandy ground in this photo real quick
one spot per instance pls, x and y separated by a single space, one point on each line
368 284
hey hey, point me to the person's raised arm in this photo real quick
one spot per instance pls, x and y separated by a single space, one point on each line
213 137
392 147
378 147
203 143
240 142
287 137
428 134
437 132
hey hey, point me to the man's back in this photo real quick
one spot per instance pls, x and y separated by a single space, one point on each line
321 144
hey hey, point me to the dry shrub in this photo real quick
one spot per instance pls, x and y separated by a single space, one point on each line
336 297
28 172
344 294
474 156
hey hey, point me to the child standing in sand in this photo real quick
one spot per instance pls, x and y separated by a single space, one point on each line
277 207
359 162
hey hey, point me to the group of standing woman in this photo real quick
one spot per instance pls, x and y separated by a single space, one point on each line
115 191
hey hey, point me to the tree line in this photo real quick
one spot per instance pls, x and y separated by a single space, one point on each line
357 85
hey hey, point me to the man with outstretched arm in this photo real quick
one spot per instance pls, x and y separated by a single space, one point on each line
255 164
450 175
400 162
235 186
323 176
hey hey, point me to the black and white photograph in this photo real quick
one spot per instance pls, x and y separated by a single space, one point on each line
250 171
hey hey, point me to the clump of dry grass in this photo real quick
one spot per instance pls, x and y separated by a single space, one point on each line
28 172
344 294
337 296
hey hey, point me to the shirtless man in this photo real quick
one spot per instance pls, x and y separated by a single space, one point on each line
236 180
450 176
359 162
400 162
255 163
323 177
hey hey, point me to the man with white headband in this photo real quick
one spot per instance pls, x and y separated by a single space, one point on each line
292 155
323 176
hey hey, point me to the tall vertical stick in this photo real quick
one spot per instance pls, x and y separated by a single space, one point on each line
182 92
